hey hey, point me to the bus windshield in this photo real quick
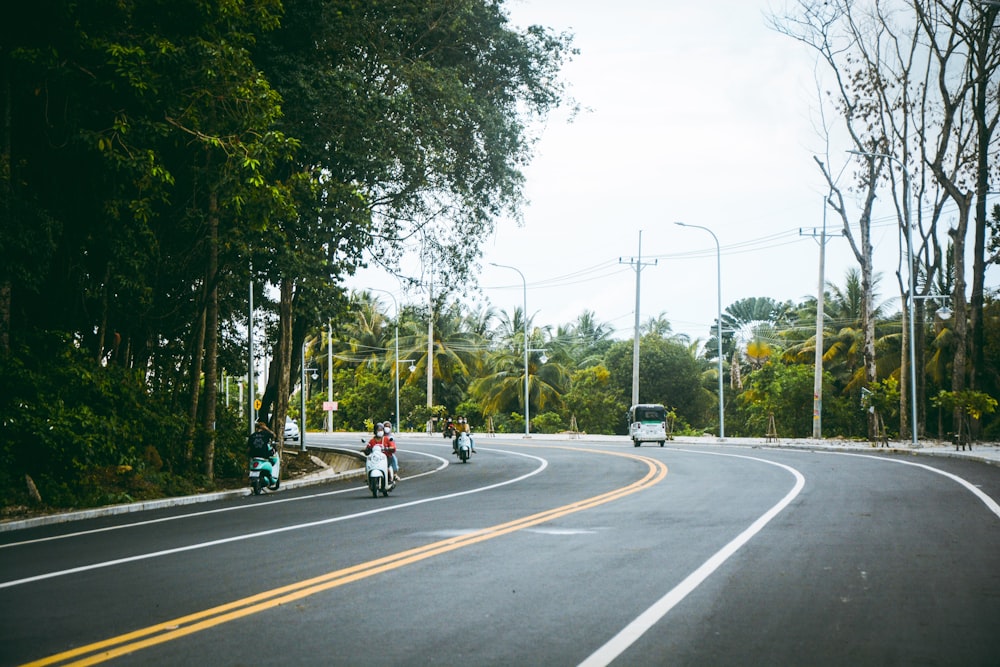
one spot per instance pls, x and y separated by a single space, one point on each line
648 413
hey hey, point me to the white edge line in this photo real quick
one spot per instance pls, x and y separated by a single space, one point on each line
543 464
190 515
634 630
976 491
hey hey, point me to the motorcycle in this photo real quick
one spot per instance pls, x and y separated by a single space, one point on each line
265 472
464 447
378 472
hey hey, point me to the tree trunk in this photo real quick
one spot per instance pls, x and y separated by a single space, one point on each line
960 325
983 69
284 355
211 340
919 349
7 197
194 386
868 322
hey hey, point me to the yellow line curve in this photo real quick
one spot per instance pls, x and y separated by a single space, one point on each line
166 631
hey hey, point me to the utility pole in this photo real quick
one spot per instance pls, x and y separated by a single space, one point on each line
820 302
637 264
430 343
251 370
329 376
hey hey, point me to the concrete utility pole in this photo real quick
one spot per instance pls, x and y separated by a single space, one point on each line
820 302
637 264
329 376
251 372
430 343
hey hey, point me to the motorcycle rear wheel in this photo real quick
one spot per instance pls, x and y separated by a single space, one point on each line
256 484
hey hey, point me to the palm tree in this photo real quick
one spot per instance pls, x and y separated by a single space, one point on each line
456 351
584 341
501 388
751 327
843 332
365 338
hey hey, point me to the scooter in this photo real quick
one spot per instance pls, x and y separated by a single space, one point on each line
464 447
378 473
265 472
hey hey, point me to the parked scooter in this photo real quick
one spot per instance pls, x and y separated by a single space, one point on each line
464 446
265 472
378 472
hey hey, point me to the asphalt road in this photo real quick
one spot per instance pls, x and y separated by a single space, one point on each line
544 553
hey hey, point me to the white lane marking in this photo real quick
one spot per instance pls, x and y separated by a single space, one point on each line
991 504
236 508
560 531
631 632
543 464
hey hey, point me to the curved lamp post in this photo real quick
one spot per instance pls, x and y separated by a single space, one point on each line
527 419
718 270
395 366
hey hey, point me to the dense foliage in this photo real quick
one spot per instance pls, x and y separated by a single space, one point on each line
164 162
160 157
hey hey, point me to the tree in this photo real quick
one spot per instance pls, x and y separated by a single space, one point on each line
585 340
414 120
501 389
594 402
778 390
752 327
669 373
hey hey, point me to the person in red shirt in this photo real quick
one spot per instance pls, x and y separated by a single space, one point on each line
393 461
387 444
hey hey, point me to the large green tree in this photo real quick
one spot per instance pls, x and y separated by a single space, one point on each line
157 158
669 373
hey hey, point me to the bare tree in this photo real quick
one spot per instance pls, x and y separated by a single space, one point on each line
821 26
906 89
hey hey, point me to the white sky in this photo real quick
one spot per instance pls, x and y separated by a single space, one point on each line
696 112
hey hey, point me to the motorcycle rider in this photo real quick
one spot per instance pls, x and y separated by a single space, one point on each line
393 461
387 445
462 427
259 442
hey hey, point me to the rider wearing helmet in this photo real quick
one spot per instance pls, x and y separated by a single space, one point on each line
386 443
393 461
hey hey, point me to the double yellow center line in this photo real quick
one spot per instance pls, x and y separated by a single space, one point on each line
186 625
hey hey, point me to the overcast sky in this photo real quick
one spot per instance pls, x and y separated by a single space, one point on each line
695 112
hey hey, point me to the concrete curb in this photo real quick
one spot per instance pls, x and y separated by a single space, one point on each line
161 503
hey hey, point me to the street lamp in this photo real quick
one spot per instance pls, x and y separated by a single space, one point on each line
527 420
942 311
718 268
395 367
909 306
302 396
